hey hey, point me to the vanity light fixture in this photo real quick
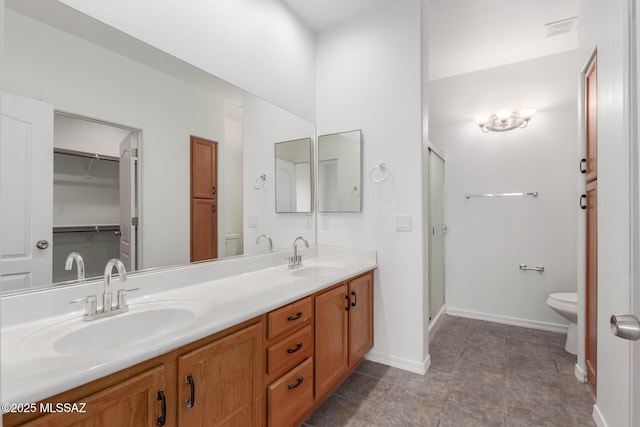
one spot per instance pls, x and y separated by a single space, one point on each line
504 120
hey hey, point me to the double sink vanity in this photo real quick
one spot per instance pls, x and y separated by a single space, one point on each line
243 341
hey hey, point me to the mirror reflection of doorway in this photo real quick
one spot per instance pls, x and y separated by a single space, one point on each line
94 194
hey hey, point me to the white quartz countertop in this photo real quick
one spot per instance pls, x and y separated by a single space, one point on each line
32 368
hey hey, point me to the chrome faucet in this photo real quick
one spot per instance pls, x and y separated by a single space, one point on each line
108 271
91 306
75 256
268 239
296 260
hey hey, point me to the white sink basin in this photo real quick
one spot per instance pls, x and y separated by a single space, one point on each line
316 271
143 322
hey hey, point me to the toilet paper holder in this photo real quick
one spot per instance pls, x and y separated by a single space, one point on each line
524 267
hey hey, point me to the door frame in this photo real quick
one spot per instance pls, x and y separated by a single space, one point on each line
634 215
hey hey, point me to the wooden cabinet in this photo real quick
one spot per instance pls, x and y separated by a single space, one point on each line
360 318
289 352
291 357
291 397
134 402
332 338
204 200
225 371
344 331
220 381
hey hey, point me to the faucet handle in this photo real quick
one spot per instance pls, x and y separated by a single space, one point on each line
122 293
91 306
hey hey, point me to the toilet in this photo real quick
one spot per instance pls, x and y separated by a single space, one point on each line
231 244
566 305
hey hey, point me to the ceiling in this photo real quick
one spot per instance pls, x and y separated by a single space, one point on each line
466 35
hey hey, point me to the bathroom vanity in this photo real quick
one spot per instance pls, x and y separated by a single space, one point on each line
262 347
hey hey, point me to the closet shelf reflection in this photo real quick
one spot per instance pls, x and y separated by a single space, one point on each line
534 194
87 228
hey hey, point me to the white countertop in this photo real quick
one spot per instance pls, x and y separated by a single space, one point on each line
32 370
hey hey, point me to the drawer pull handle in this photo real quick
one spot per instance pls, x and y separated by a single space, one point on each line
296 385
583 169
355 299
348 302
191 401
293 350
583 198
296 317
162 418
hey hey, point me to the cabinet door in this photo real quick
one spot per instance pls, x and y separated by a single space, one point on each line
331 339
133 403
360 317
220 383
203 168
204 230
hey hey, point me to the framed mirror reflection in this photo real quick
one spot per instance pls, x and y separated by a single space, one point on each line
339 172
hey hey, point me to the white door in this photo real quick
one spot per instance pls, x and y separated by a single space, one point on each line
26 195
128 201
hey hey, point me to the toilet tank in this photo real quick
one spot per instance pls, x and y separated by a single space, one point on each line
231 244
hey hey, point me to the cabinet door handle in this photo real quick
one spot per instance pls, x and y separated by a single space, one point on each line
192 401
296 385
296 317
583 198
355 299
162 418
213 208
213 190
583 169
348 302
293 350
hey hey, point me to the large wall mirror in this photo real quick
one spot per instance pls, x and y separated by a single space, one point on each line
339 172
115 173
293 176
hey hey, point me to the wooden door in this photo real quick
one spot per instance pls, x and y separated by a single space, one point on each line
331 339
204 200
134 403
591 321
591 354
26 165
360 318
222 382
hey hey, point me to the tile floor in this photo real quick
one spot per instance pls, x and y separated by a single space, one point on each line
481 374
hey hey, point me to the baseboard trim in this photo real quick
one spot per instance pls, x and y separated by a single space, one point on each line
598 418
436 322
399 362
514 321
580 373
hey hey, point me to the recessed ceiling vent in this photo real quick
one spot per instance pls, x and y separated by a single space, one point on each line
561 27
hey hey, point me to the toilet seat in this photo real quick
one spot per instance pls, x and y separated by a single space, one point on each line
568 298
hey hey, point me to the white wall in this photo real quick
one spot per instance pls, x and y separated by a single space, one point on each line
489 237
605 25
81 78
368 77
258 45
264 125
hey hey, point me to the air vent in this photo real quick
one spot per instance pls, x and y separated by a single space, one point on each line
561 27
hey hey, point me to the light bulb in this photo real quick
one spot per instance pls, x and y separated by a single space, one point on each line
503 115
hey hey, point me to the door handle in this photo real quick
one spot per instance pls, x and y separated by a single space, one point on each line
42 244
625 326
583 169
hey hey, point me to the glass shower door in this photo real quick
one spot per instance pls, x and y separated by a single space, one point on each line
437 230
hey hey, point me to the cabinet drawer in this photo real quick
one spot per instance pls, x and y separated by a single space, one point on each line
290 351
288 317
291 396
